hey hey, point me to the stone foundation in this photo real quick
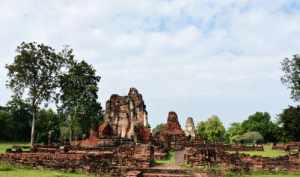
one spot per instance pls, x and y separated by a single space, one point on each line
115 161
291 146
212 154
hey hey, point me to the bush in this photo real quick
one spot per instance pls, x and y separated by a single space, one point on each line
249 138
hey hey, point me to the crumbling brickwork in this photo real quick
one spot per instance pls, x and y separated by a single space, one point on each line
213 154
113 161
172 136
291 146
126 117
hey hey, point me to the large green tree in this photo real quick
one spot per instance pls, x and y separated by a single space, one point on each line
261 122
289 120
291 76
212 129
79 88
34 74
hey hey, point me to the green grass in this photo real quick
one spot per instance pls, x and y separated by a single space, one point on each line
7 170
6 145
268 152
170 159
277 175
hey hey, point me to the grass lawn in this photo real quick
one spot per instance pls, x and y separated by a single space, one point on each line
7 170
268 152
37 173
277 175
5 145
170 159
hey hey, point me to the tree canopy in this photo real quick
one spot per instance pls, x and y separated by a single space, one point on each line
291 76
249 138
34 73
233 131
39 75
212 129
289 120
79 94
261 122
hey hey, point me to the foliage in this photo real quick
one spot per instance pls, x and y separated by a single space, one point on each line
34 73
40 74
20 120
79 87
289 121
233 131
291 76
47 122
261 122
212 129
169 159
4 125
15 120
250 138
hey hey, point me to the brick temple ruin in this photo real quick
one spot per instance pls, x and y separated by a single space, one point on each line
125 119
123 145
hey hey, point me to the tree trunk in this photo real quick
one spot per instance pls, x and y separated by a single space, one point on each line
71 129
33 127
71 135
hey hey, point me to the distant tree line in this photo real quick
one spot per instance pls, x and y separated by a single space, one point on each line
259 127
40 76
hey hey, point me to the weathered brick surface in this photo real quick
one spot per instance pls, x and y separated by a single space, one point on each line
213 154
113 161
240 147
287 147
126 117
285 163
172 136
159 153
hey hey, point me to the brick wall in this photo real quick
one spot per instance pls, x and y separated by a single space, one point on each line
113 161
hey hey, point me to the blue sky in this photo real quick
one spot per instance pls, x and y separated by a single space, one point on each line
195 57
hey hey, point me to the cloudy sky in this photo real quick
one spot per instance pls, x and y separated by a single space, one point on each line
196 57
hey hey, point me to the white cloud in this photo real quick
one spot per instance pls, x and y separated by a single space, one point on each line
182 55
